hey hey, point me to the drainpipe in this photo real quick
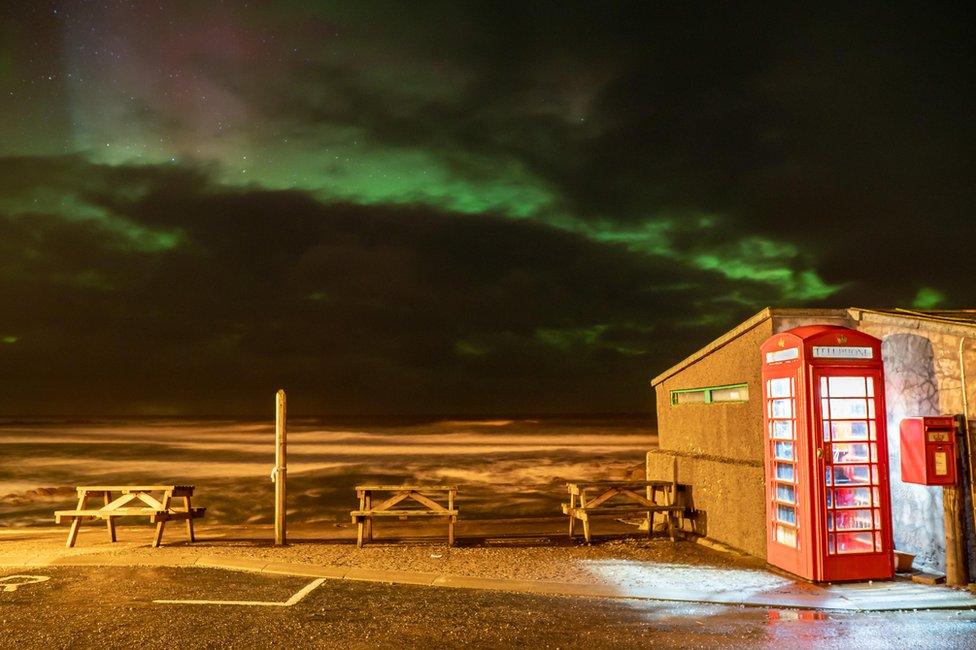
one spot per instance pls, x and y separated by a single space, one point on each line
967 430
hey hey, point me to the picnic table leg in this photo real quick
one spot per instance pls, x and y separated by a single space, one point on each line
368 501
189 520
572 516
651 516
158 539
584 516
359 520
672 499
76 521
109 521
649 494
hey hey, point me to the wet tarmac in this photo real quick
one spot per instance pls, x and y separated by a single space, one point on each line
83 607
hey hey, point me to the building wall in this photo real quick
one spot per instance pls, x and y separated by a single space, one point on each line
725 430
841 317
728 497
718 446
922 377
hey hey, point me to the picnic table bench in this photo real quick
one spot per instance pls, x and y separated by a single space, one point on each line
133 501
422 494
586 499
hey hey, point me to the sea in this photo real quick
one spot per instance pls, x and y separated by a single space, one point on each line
503 467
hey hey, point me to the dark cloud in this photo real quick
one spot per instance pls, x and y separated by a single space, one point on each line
836 131
459 206
357 308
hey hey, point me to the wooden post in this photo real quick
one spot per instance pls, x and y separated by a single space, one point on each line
281 466
452 518
954 517
956 563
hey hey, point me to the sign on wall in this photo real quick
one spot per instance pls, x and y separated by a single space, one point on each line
783 355
842 352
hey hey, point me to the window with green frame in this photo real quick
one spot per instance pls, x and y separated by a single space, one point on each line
711 394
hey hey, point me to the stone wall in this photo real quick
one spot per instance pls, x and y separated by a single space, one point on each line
911 388
922 377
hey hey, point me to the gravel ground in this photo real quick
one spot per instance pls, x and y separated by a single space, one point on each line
630 562
84 607
534 555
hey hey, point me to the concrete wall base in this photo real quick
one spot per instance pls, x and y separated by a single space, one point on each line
727 496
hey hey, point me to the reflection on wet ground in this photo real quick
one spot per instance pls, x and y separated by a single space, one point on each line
85 607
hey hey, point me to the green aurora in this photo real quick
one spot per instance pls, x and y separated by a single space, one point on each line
458 169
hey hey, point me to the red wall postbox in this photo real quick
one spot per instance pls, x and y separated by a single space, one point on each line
828 509
928 450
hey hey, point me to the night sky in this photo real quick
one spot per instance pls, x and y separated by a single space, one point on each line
457 207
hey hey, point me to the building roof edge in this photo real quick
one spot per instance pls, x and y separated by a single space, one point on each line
953 321
729 336
945 320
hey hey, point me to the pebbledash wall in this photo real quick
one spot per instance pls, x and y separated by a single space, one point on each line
717 446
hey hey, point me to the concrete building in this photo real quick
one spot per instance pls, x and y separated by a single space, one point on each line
710 419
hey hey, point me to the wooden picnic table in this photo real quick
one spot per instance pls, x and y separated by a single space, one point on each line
133 501
421 494
593 497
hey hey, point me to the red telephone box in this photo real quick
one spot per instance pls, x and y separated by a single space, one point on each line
827 497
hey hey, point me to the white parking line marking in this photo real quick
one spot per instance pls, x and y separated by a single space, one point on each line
301 593
12 586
